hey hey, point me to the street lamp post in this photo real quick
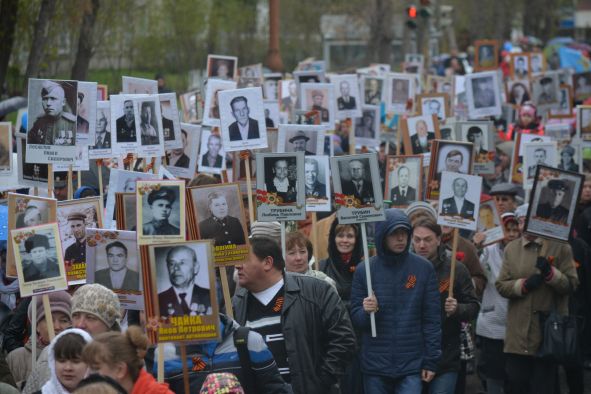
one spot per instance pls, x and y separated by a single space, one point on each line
274 61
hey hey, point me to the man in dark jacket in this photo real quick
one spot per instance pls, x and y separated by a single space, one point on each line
302 319
462 307
407 347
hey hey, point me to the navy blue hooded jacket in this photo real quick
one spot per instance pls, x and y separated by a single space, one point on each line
409 318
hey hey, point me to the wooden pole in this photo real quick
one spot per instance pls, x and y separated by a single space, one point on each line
315 241
185 368
48 317
99 164
274 61
452 273
34 330
226 292
50 180
283 247
161 362
70 186
249 190
372 315
79 179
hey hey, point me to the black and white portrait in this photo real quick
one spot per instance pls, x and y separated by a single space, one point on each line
481 135
289 98
518 91
278 179
182 162
545 90
86 115
211 110
367 127
448 156
534 155
242 119
486 55
317 182
373 90
483 94
433 104
160 208
123 120
459 200
121 181
356 180
582 86
29 174
272 115
319 97
565 103
271 86
401 89
301 138
222 67
348 99
419 133
520 65
133 85
212 157
103 142
404 180
537 62
569 157
171 126
148 126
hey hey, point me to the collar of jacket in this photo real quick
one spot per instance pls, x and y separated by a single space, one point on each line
291 288
536 242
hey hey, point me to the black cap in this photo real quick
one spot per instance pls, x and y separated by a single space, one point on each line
557 184
35 241
164 193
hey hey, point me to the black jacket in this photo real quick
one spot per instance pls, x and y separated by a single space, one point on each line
17 330
319 337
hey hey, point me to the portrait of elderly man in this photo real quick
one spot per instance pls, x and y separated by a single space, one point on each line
184 296
358 186
403 193
420 140
57 126
76 253
280 183
39 265
244 128
299 143
458 205
102 136
317 105
160 205
212 157
118 276
554 209
148 126
314 188
177 157
373 91
345 100
433 107
220 226
125 125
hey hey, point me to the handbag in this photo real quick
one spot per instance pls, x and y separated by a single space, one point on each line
560 339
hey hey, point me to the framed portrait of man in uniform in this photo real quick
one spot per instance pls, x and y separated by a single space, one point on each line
434 104
52 121
123 124
101 147
404 180
219 216
448 156
486 55
536 154
317 182
367 127
348 100
418 134
483 94
180 298
459 200
552 207
400 89
546 90
38 259
517 169
301 138
160 211
319 97
121 181
481 134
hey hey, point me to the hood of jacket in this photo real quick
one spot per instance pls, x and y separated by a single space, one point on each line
53 386
333 252
395 218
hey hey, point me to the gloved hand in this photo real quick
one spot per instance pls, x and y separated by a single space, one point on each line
533 282
544 266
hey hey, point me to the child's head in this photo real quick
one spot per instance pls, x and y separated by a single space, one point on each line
65 356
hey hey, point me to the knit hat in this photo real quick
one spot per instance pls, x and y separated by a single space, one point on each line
420 206
266 229
218 383
60 301
98 301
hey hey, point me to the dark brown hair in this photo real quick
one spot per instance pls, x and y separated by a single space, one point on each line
298 239
69 347
430 224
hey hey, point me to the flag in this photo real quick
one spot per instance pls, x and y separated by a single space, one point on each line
571 58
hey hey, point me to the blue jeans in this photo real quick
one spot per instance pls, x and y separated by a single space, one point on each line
444 384
374 384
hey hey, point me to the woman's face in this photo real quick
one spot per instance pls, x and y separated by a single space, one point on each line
345 240
70 372
296 259
61 322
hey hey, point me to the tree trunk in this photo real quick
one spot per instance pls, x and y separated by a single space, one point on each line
8 11
39 38
85 42
380 30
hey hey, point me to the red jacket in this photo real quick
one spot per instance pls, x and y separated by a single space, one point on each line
146 384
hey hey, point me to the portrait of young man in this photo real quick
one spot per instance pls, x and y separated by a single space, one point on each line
553 209
160 204
42 262
125 125
244 127
178 157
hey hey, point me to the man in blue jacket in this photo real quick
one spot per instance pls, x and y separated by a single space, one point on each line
406 303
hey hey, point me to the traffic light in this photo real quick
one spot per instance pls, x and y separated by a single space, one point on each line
425 10
411 15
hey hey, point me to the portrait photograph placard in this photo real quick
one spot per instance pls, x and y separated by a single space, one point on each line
481 134
448 156
569 156
26 211
367 127
317 183
374 90
518 91
537 62
121 181
86 116
123 121
319 97
545 90
565 104
459 200
271 85
348 100
584 122
280 186
52 109
211 110
113 261
553 203
307 76
517 170
161 212
133 85
483 94
418 133
486 55
212 156
73 218
171 125
242 118
404 180
38 259
582 86
148 126
30 174
187 268
535 154
519 65
401 89
301 138
101 146
182 161
357 188
125 211
5 149
489 222
220 217
272 115
222 67
192 106
434 104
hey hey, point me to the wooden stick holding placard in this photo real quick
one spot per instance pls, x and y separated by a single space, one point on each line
34 330
454 251
372 316
70 186
50 180
283 239
99 164
160 361
314 236
79 179
226 292
246 157
48 317
185 368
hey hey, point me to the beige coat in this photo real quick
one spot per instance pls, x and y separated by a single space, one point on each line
523 335
20 363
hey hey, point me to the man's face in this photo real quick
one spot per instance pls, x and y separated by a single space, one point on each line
181 268
486 218
299 145
219 207
425 242
292 88
311 173
345 88
317 100
453 163
146 114
117 258
33 218
403 177
422 129
434 107
373 86
78 228
161 209
38 254
53 102
281 169
460 187
240 111
128 109
477 140
505 203
214 145
512 232
356 169
101 125
252 272
586 194
397 241
223 70
558 197
540 156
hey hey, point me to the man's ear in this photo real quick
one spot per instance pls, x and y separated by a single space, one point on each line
268 263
